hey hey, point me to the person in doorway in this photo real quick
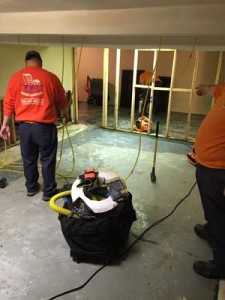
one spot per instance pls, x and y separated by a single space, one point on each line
210 176
146 78
32 96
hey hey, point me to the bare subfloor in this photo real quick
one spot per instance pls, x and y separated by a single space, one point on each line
35 260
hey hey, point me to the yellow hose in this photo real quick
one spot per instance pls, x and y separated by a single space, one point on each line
60 209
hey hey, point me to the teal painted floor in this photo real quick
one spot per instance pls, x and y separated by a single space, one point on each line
177 128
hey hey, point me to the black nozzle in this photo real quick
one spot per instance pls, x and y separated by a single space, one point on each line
3 183
138 124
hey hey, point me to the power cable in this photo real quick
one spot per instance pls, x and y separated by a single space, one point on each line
142 112
136 161
61 150
127 249
153 77
139 150
147 92
65 125
4 164
65 176
63 60
189 59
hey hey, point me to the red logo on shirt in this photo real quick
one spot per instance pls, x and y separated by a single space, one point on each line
31 91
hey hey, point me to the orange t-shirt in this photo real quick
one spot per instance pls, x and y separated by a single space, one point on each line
33 94
210 140
146 78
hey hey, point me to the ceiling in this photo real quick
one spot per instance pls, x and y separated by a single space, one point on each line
179 24
14 6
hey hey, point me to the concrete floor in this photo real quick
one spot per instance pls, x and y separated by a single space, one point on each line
35 262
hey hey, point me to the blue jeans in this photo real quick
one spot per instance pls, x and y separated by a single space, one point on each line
211 184
39 140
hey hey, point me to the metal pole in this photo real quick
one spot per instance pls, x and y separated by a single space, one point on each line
152 175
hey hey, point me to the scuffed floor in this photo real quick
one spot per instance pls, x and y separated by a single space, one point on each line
34 256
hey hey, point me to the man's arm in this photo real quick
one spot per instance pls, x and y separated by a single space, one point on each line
5 129
65 114
202 90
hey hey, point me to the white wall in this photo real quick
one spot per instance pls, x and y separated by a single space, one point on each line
12 59
91 64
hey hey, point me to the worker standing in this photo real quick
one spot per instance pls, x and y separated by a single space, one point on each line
32 96
146 78
210 175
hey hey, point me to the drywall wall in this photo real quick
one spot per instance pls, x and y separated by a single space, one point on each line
92 64
59 61
55 59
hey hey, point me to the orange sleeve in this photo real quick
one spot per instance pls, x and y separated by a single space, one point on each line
141 78
146 78
219 90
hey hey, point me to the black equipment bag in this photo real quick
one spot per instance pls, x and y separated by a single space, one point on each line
100 239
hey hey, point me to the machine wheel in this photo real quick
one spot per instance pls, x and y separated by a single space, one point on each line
76 259
91 100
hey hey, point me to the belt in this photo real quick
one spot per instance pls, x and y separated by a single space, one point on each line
27 122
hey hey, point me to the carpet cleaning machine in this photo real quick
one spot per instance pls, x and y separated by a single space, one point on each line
96 216
97 213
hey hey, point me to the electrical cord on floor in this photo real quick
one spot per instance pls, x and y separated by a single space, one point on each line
127 249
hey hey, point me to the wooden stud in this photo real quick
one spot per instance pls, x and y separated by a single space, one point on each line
170 93
105 87
133 89
193 84
74 104
117 85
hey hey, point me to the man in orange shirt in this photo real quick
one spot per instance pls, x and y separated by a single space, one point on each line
146 78
210 175
32 95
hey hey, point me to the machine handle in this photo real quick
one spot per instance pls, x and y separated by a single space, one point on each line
157 129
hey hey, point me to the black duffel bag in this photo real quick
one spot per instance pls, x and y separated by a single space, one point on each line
99 239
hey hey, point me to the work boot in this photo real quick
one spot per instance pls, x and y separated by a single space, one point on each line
209 269
33 192
201 232
47 197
